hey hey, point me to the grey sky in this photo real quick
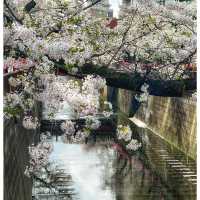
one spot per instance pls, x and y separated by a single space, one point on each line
115 6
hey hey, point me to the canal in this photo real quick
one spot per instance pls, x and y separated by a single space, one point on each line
102 168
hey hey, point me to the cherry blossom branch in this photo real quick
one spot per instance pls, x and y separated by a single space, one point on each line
12 13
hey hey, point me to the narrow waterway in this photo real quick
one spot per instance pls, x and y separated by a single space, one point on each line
102 170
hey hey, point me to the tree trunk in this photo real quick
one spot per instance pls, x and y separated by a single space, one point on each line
134 81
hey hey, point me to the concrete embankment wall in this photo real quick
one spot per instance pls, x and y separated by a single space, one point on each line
16 141
173 118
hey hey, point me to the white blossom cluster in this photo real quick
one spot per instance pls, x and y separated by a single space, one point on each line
143 97
30 122
27 104
92 123
93 84
23 33
39 156
45 79
107 113
29 87
108 110
74 70
133 145
68 127
125 133
12 64
83 98
57 49
44 68
79 135
12 102
162 36
17 102
83 104
12 99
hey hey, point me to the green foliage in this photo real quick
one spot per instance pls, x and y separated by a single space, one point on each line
13 111
74 20
185 33
151 19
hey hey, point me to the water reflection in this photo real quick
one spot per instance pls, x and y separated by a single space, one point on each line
64 112
87 166
103 170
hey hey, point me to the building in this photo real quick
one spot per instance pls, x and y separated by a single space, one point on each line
101 9
110 13
130 2
127 3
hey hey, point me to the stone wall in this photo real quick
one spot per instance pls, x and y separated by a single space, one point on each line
173 118
16 141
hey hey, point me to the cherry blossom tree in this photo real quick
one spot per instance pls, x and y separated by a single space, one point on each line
154 40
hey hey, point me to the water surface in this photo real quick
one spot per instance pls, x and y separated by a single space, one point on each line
104 170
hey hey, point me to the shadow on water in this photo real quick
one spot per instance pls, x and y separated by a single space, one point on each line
104 169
